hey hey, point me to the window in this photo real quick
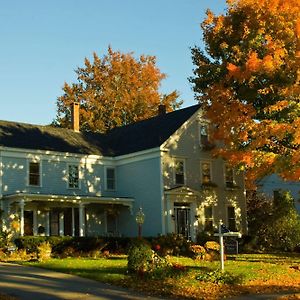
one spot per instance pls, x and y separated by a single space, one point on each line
34 173
231 218
229 177
179 172
204 134
206 172
208 218
73 172
110 179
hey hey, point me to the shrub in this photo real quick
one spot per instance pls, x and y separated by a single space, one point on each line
140 257
212 245
44 251
171 244
273 225
220 277
197 251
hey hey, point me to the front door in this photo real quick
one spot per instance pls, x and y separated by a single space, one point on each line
182 219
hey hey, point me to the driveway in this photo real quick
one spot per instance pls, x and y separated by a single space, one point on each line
28 283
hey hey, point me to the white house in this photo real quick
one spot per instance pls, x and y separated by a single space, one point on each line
56 181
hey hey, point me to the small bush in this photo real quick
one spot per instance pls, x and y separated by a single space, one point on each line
140 258
212 245
197 251
44 251
171 244
220 277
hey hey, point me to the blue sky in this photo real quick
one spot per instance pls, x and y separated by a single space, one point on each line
43 42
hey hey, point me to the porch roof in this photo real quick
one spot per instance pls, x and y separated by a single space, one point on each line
76 199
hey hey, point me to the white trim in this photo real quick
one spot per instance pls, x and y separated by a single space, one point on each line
34 160
71 199
105 178
162 196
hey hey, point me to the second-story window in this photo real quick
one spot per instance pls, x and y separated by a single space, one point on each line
179 172
73 174
229 175
110 179
206 172
34 173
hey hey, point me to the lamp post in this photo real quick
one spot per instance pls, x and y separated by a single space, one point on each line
140 218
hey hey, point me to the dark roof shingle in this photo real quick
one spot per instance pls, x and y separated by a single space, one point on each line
135 137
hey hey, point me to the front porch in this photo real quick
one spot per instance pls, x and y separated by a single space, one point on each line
64 215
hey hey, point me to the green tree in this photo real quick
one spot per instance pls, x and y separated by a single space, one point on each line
273 225
248 81
114 90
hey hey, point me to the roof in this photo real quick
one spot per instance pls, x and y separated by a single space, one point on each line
146 134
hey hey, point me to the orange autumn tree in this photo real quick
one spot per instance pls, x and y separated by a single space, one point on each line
114 90
248 82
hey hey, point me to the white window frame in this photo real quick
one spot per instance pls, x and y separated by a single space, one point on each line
175 161
38 161
105 178
68 176
233 175
210 170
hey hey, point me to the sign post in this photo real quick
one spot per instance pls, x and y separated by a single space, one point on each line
221 235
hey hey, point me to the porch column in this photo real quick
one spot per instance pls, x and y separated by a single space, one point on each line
47 229
61 224
21 204
73 222
34 229
81 220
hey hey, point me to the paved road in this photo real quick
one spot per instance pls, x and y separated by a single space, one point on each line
28 283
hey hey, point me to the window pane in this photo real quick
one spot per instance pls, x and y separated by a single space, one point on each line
208 215
231 218
228 175
73 176
206 172
203 134
34 173
179 172
110 178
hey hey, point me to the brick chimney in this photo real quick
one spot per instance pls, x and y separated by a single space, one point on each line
161 109
75 116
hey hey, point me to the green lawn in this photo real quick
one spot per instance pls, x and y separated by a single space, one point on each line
261 273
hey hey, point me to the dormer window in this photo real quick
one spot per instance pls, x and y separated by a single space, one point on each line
179 172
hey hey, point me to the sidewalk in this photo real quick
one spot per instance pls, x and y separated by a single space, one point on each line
28 283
